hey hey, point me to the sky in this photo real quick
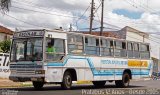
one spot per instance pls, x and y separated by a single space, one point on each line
143 15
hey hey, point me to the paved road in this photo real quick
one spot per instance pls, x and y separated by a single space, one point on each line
78 89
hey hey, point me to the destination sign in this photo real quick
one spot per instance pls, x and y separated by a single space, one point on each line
29 34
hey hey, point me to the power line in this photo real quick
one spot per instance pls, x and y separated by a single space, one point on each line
81 16
105 17
154 37
55 14
145 7
144 23
23 21
33 5
97 8
78 18
43 27
136 5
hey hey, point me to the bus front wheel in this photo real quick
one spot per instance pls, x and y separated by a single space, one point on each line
124 82
38 85
99 83
67 81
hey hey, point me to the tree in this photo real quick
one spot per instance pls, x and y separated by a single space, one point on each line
5 46
4 5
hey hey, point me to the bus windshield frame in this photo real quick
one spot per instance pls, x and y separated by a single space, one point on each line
27 49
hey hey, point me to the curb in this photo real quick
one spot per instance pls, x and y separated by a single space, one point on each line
144 79
82 82
21 85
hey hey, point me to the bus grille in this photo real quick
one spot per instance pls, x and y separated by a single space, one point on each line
25 69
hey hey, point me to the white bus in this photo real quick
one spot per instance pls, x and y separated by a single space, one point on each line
77 57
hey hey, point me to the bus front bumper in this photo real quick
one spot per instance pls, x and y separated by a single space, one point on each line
27 78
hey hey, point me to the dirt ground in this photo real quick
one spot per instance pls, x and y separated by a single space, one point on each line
9 83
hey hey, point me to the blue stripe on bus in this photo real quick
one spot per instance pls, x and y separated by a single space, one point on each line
94 71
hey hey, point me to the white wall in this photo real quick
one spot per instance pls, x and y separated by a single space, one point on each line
4 68
155 48
132 36
2 36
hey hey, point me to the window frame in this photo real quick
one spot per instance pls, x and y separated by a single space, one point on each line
120 48
146 51
45 48
75 43
95 45
111 48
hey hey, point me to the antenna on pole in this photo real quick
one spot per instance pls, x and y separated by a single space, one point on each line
91 17
101 31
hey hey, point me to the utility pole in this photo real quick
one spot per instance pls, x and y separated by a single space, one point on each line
101 31
91 17
143 38
70 28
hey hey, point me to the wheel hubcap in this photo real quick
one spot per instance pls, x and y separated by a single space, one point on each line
68 80
126 81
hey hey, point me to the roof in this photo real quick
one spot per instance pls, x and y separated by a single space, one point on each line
104 33
5 30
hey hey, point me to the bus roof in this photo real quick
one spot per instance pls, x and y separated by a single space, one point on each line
76 33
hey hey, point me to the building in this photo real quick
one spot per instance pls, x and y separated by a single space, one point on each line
132 34
105 33
5 33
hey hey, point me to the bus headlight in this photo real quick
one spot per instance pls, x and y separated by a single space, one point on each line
13 71
40 72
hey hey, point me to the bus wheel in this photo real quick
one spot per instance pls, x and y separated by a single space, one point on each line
99 83
67 81
38 85
124 82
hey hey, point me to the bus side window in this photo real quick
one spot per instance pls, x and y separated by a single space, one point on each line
120 49
111 49
130 50
91 46
144 51
86 41
55 49
123 51
136 52
111 44
106 47
75 44
50 45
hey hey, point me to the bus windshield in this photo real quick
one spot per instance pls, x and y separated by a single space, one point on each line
27 50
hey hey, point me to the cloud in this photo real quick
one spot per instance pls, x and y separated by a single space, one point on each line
64 4
55 13
35 19
147 22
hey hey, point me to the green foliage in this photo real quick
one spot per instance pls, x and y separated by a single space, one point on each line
5 46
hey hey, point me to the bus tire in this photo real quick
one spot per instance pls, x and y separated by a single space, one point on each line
37 85
124 82
67 81
99 83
